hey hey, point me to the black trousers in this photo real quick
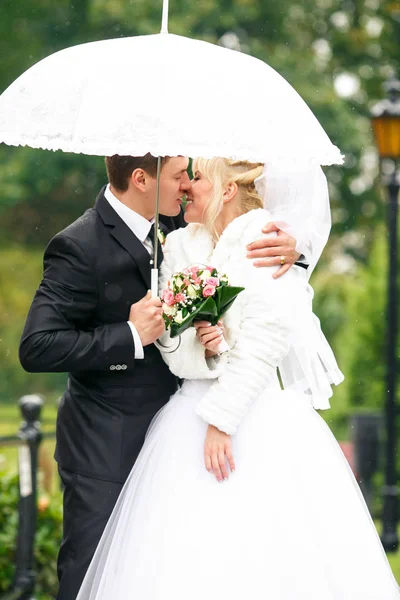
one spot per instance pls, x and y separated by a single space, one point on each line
88 504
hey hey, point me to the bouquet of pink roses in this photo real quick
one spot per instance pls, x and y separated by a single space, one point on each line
198 293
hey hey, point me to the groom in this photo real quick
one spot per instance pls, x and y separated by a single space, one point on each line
93 318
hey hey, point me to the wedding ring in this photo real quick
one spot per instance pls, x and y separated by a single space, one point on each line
282 260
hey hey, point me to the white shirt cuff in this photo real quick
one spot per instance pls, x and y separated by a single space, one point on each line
139 352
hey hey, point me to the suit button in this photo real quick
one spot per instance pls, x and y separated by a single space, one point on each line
118 367
112 367
123 367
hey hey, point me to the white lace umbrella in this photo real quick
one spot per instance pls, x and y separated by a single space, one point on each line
164 94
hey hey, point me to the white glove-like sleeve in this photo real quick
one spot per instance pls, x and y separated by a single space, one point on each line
189 361
262 342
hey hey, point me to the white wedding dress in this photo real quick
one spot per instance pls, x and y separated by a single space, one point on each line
290 523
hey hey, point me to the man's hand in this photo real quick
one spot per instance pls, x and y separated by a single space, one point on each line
146 315
218 453
274 250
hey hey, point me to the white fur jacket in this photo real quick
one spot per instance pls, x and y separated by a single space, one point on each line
270 325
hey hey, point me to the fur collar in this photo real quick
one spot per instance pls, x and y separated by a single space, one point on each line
199 246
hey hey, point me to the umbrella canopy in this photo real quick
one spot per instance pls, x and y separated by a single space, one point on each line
164 94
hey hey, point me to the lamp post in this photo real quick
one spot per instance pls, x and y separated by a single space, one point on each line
385 117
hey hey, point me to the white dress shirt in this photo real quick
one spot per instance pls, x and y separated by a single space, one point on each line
141 228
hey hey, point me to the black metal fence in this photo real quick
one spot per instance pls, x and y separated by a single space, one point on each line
28 440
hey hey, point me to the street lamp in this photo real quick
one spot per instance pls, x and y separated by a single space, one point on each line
385 117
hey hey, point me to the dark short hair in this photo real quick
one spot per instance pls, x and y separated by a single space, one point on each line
120 168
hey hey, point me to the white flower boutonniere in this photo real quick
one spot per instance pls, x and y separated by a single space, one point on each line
161 236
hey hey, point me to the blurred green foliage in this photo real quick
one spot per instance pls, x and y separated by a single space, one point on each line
47 541
352 309
20 273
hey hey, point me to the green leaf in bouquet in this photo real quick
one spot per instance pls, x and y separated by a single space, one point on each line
225 297
208 308
207 311
225 309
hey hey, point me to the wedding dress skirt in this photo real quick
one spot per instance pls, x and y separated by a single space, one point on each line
289 524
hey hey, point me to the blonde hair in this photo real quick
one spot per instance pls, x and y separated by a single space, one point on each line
220 172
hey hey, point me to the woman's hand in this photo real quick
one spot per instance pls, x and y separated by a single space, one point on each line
210 336
218 452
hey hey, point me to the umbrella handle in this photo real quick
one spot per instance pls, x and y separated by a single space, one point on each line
154 283
164 23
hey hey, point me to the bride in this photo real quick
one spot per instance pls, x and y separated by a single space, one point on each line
241 490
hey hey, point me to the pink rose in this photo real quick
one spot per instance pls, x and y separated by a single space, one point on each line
180 297
168 297
209 290
186 282
197 281
194 271
214 281
210 269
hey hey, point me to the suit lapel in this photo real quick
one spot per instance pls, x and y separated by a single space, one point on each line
125 237
130 242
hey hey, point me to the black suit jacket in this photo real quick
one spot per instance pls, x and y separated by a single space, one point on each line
93 271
